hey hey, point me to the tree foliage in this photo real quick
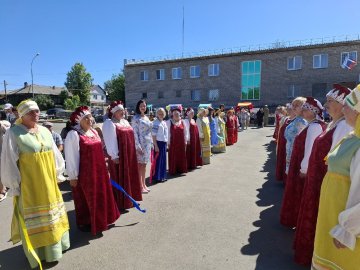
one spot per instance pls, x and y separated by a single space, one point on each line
44 102
64 94
115 87
72 103
79 82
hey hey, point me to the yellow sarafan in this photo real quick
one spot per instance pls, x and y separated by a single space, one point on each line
41 204
334 194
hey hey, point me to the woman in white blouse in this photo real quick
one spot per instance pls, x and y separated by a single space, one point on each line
120 146
95 206
177 138
337 244
160 138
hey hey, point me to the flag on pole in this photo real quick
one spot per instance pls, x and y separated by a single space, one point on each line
348 63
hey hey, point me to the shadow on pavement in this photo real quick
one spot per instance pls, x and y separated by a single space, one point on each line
272 243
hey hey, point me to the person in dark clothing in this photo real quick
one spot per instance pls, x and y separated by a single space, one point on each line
260 117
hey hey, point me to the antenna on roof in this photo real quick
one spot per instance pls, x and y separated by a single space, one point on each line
183 31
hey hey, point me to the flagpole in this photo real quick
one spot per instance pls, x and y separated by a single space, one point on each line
183 31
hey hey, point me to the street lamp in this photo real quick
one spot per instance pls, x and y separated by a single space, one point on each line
32 77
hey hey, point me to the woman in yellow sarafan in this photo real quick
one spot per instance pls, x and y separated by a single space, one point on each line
204 133
337 244
30 164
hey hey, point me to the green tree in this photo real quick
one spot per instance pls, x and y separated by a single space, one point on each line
115 87
72 103
64 94
79 82
44 102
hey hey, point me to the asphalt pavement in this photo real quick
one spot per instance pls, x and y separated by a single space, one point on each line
223 216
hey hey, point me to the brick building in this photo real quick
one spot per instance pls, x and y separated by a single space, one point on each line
265 76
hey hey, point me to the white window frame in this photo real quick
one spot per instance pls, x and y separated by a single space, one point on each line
162 74
216 98
144 75
95 96
212 68
348 54
293 88
294 58
193 71
191 95
176 73
321 60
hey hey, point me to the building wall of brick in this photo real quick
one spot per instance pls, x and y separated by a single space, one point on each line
275 77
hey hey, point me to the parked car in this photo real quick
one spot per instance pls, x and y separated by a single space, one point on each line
55 113
43 115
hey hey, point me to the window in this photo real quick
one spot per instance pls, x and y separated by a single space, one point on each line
348 55
320 61
144 95
250 80
294 63
195 95
160 94
319 91
293 91
213 70
213 94
95 96
176 73
178 93
160 74
194 71
102 97
144 75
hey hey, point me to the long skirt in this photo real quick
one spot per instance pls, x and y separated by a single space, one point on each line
160 168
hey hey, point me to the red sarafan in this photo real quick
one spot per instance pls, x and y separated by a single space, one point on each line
294 182
230 129
93 196
125 173
306 223
177 151
281 153
193 149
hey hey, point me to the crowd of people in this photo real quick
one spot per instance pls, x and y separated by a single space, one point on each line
32 165
319 164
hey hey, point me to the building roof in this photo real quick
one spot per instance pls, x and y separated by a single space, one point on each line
38 89
272 48
97 89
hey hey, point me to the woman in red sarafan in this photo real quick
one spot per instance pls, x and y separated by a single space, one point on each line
281 144
120 146
236 119
337 129
279 113
178 137
193 148
312 112
230 127
95 207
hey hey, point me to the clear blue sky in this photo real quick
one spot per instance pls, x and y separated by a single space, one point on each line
102 33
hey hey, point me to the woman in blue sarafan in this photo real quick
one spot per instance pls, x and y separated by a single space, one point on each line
213 128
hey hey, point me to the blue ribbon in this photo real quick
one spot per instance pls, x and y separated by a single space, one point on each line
135 203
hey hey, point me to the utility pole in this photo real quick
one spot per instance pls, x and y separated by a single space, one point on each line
5 84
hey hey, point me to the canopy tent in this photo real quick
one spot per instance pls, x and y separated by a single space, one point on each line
245 104
205 106
168 107
149 107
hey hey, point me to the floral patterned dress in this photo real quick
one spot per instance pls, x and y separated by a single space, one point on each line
143 141
291 131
